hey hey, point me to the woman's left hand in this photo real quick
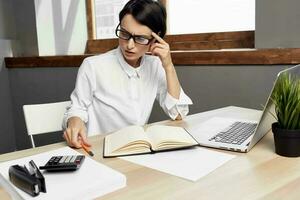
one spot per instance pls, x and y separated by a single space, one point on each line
161 49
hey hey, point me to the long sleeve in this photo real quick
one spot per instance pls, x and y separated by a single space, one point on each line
82 95
170 105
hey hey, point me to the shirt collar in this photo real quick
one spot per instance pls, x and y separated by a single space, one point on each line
128 69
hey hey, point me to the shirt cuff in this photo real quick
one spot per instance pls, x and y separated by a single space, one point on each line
179 106
181 110
81 114
170 101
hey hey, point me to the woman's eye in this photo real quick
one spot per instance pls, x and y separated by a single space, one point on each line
124 34
141 39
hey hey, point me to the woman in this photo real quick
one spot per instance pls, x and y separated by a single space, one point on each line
118 88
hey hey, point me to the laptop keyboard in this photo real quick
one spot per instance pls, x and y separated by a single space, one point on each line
237 133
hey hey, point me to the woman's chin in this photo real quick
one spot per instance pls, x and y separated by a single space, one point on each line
131 59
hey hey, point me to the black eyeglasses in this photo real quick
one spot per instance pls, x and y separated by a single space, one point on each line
125 35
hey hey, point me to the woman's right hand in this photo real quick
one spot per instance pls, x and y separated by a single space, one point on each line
75 134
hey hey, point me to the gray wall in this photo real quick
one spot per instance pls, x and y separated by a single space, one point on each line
7 20
17 28
7 133
30 86
212 87
7 35
24 13
277 24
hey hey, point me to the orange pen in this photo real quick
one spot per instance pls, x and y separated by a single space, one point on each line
87 149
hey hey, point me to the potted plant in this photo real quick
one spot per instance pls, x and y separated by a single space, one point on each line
286 130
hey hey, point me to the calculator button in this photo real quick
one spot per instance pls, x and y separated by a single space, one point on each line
50 162
56 160
73 159
68 159
62 159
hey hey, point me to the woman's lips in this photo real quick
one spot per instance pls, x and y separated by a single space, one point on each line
129 52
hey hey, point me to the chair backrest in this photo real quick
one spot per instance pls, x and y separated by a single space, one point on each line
44 118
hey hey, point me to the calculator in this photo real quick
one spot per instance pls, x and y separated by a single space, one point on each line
63 163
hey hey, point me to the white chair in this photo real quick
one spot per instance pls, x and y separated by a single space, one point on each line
44 118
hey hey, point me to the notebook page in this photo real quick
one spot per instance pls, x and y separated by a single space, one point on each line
169 135
123 137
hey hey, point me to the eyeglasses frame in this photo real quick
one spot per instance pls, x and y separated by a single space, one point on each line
119 28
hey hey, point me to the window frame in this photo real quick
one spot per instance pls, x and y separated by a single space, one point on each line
182 42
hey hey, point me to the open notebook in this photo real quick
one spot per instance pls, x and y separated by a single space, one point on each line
92 180
133 140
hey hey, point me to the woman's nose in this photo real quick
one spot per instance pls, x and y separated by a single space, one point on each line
130 43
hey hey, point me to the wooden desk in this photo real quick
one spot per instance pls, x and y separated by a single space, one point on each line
259 174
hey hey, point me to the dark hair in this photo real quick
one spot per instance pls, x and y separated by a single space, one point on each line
147 12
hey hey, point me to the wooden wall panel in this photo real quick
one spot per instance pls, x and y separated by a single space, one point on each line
183 58
201 41
90 19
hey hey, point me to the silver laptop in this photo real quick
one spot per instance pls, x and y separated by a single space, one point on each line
238 129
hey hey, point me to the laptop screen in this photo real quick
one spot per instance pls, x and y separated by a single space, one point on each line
267 117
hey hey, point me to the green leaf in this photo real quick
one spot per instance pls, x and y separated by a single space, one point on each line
286 98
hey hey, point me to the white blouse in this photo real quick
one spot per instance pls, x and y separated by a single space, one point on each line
110 94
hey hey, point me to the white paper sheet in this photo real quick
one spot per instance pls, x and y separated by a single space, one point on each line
191 164
92 180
